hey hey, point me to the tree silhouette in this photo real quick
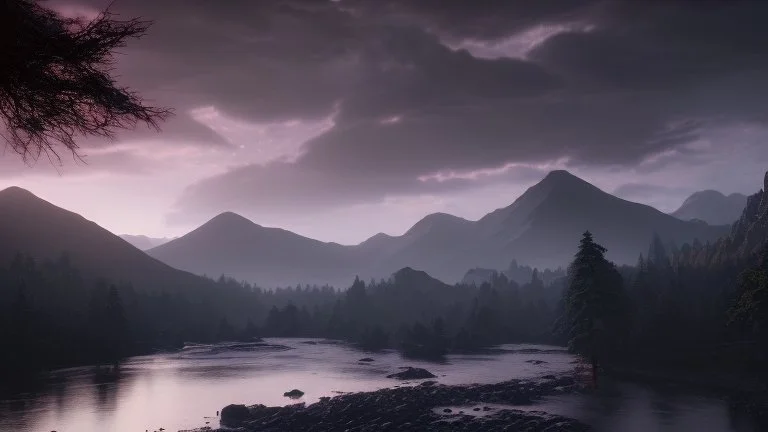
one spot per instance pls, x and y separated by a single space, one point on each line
594 305
56 79
751 305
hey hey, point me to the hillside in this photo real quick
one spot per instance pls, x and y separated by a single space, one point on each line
541 229
231 244
748 236
546 235
143 242
38 228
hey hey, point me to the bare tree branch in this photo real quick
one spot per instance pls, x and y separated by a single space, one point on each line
56 82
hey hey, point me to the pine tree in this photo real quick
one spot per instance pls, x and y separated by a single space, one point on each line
594 304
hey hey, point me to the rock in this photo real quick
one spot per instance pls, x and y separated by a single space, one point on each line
294 394
414 408
412 373
366 360
234 415
549 377
536 362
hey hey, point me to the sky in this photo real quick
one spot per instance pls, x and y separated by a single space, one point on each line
341 119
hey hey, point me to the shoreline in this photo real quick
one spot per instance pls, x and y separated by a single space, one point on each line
428 406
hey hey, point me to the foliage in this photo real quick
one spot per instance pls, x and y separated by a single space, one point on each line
51 316
56 79
594 302
752 303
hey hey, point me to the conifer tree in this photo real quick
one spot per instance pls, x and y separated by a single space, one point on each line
594 304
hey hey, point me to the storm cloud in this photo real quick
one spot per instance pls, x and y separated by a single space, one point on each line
413 93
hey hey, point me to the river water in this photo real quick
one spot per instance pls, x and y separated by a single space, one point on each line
185 389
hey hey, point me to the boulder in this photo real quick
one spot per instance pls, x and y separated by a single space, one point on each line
234 415
294 394
412 373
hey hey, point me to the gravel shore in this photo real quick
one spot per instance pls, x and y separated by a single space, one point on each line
426 407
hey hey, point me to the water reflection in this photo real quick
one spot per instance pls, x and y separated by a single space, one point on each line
185 389
638 407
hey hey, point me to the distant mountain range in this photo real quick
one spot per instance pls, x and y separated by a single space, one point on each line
233 245
712 207
39 229
541 228
143 242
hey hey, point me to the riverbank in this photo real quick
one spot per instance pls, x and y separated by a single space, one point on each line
428 406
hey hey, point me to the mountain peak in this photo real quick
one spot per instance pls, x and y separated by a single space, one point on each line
562 177
436 221
18 192
230 218
562 174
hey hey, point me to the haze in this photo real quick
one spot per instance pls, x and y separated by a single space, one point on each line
302 114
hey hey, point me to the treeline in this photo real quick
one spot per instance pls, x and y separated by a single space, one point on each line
425 317
51 316
524 273
669 311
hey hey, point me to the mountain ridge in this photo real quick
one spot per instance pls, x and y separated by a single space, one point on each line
541 228
37 228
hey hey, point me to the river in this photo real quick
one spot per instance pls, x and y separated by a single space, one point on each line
185 389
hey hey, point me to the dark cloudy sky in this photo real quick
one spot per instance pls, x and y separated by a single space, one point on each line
340 119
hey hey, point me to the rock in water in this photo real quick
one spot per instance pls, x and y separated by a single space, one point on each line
294 394
412 373
234 415
366 360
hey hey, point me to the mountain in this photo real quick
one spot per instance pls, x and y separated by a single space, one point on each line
143 242
712 207
39 229
434 241
749 234
233 245
541 228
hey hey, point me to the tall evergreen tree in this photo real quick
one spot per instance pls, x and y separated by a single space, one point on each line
594 304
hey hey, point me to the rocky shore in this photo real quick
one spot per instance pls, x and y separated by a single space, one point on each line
426 407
